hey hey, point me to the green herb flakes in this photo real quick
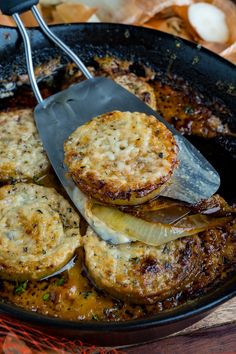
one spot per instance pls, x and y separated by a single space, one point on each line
21 287
60 282
46 297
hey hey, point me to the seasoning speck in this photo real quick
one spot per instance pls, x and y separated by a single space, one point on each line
60 282
20 288
46 297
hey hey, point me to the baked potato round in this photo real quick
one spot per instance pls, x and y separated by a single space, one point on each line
22 156
140 273
121 157
39 231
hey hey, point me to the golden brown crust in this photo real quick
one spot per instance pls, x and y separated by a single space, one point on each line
113 66
140 273
121 157
138 87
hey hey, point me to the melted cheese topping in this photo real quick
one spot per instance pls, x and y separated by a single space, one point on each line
119 153
39 231
21 152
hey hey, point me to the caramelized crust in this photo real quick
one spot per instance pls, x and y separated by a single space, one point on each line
121 157
140 273
138 87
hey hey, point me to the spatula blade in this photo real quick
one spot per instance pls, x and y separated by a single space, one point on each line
59 115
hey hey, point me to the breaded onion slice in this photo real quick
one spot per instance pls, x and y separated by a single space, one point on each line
138 87
121 157
22 156
39 231
140 273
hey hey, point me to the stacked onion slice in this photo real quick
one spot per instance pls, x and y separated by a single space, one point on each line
116 226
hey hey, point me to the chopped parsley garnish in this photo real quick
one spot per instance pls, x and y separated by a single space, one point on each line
60 282
46 297
21 287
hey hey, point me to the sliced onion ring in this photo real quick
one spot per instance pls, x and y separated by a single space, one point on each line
118 227
154 233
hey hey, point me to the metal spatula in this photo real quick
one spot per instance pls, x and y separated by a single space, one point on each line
59 115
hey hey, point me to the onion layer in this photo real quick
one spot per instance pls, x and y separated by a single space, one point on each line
154 233
118 227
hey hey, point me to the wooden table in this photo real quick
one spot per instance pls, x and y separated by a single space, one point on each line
214 334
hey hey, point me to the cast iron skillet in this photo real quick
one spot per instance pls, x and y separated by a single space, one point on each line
204 70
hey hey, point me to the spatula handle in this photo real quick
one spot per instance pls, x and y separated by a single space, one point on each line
10 7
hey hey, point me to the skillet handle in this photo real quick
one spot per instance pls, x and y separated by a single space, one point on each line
11 7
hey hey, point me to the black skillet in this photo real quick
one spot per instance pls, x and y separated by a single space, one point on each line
209 74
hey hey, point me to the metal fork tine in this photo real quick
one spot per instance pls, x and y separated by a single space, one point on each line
54 39
28 53
59 43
